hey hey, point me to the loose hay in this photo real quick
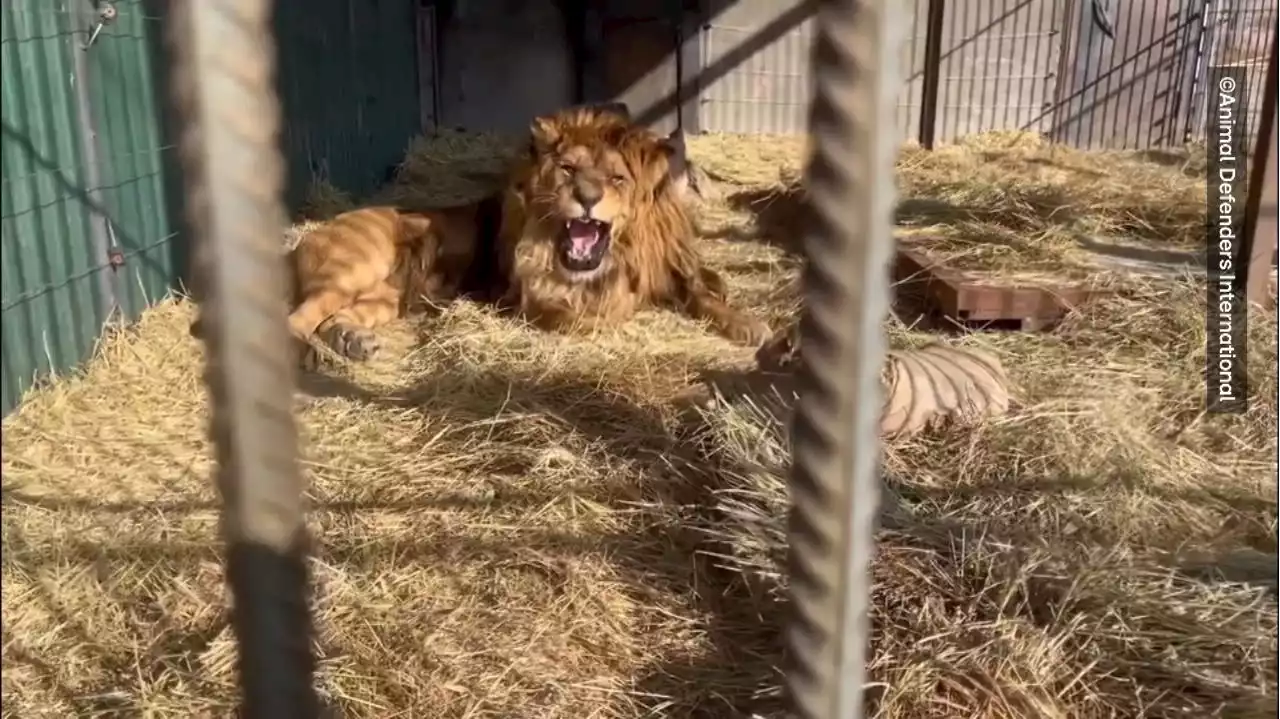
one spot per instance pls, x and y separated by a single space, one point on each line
323 201
509 521
1007 204
1106 551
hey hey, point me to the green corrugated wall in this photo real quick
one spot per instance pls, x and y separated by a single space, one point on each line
348 84
53 292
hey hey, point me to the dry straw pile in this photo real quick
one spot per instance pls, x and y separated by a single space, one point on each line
513 524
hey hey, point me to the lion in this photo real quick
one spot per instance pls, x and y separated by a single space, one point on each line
690 181
590 227
371 266
367 267
595 228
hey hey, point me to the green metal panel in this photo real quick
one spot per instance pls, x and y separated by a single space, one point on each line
126 95
348 79
52 304
84 182
88 174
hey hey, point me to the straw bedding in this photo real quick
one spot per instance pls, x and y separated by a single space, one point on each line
514 524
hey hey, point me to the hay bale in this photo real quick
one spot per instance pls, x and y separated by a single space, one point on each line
450 168
323 201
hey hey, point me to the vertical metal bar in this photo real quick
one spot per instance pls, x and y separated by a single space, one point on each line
932 72
1171 132
1125 57
1093 80
834 486
106 283
428 68
1260 223
989 88
974 45
224 93
1044 36
1021 67
1120 90
1207 37
690 68
1064 89
1142 85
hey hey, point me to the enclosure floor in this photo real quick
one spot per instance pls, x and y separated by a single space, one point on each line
508 522
497 509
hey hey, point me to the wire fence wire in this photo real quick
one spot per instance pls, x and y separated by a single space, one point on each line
223 90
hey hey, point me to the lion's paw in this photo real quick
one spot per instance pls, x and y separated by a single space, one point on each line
751 332
354 343
781 351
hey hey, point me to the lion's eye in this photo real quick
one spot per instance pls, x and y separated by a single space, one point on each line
567 169
618 179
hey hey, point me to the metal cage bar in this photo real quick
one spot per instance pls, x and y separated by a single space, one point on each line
224 93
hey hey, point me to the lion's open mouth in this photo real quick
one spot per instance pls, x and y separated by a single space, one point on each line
584 245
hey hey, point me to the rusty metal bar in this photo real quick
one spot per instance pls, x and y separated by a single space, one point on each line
834 485
224 94
1260 225
929 84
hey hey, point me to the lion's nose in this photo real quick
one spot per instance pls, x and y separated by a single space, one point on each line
587 194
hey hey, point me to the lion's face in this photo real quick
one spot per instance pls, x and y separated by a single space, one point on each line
592 170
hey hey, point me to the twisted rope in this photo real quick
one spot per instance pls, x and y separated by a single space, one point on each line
223 90
834 492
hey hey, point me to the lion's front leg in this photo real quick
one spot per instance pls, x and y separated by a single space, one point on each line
703 297
577 308
350 331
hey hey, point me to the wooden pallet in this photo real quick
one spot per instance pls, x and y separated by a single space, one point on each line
955 296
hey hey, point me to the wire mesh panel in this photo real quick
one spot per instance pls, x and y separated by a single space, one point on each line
769 92
912 57
1127 85
998 66
1089 73
1237 34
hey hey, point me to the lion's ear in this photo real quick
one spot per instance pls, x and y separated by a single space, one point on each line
544 133
621 109
673 149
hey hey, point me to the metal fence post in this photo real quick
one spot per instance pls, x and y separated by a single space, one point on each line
834 487
930 84
1260 223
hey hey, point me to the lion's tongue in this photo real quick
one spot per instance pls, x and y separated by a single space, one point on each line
583 237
